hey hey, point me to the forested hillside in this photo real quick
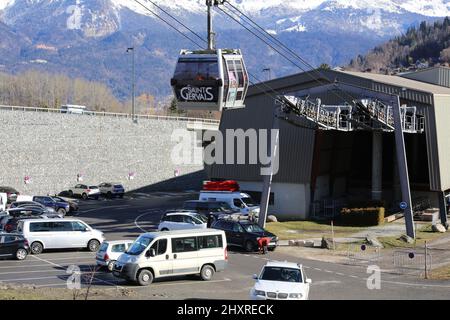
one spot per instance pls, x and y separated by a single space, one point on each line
426 45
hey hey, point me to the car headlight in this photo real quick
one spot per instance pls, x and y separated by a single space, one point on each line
296 296
260 293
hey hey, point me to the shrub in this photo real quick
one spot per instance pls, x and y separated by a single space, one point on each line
362 216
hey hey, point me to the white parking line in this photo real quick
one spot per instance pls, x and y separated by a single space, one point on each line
57 265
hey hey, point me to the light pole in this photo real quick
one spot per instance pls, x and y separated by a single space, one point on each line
133 94
269 71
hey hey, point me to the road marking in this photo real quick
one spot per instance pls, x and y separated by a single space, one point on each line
326 282
340 274
328 271
317 269
139 217
57 265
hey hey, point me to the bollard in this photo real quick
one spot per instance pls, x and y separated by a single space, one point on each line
426 258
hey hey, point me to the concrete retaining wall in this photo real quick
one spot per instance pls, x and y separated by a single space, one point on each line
53 149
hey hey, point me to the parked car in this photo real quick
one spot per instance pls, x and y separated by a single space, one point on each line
12 222
11 193
17 213
30 204
215 208
245 234
62 207
175 253
85 191
281 281
110 251
180 220
73 204
111 190
13 246
60 234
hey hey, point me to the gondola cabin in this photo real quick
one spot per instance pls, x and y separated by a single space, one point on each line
210 80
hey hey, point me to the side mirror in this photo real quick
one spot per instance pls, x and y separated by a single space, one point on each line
255 277
309 281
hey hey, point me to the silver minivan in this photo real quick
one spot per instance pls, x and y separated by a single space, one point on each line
59 234
173 253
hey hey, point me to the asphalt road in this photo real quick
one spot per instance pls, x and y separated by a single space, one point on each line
126 218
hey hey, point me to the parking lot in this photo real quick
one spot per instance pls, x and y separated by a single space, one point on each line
136 213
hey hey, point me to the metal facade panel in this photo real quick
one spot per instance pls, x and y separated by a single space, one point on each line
296 145
442 120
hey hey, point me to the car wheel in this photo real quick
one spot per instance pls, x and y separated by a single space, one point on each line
37 248
21 254
207 272
249 246
62 211
145 277
93 245
111 265
84 196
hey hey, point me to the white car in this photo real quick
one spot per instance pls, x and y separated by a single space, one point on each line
85 191
110 251
281 281
111 189
179 220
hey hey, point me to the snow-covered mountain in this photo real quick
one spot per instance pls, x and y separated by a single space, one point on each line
86 37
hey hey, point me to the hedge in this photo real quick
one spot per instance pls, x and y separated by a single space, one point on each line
362 216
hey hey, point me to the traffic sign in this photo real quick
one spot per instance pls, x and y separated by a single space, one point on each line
403 205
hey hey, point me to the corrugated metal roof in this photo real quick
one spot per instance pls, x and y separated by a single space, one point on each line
436 75
402 82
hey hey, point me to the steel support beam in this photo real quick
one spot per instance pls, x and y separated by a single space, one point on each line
403 167
267 181
443 208
377 165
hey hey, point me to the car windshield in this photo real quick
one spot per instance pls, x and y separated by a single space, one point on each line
139 245
249 202
252 228
93 187
281 274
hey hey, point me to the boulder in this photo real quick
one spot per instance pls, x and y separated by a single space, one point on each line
372 241
272 219
327 244
438 228
407 239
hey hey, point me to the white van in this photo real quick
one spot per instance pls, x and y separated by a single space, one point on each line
74 109
236 200
59 234
173 253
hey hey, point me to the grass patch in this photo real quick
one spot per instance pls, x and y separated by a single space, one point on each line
291 230
442 273
422 234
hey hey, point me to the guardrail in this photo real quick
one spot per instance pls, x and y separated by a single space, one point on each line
113 115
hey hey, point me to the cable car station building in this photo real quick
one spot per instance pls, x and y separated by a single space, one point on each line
325 165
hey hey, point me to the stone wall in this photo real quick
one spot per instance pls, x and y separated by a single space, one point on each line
53 149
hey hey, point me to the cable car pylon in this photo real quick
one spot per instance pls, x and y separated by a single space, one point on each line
210 79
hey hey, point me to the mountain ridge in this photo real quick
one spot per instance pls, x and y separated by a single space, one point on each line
88 38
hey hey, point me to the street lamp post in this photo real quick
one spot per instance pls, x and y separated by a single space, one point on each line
133 93
269 72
